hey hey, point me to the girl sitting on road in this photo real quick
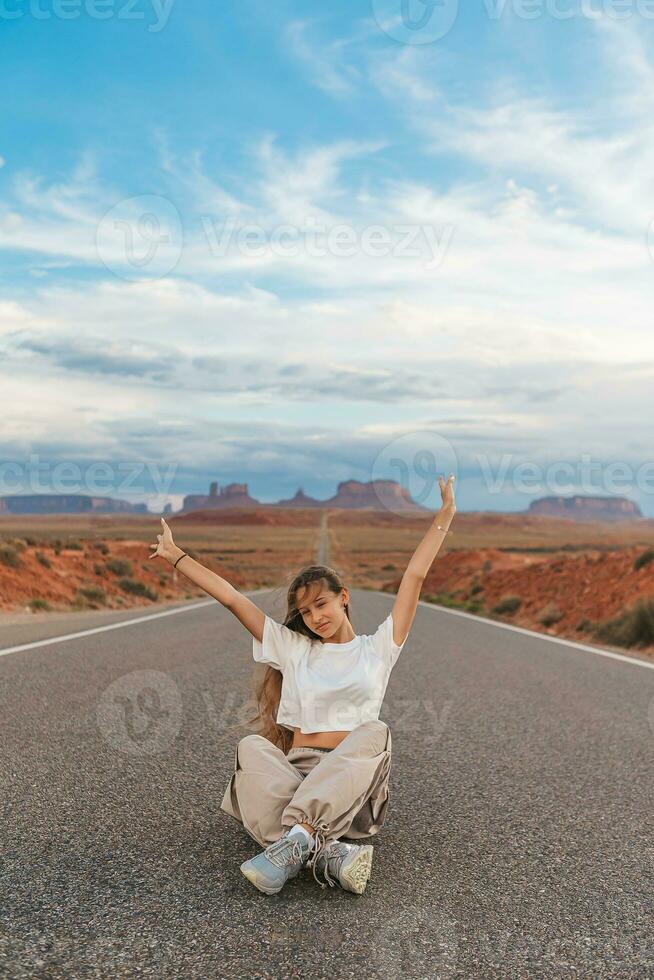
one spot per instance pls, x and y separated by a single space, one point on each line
317 771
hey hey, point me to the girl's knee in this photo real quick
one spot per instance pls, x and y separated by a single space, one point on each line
250 746
380 732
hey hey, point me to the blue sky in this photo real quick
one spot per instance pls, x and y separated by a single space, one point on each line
291 244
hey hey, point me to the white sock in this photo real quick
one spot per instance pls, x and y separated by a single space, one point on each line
298 829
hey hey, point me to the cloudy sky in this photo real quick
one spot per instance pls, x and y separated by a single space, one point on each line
290 244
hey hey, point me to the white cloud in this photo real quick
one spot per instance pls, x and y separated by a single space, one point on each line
542 299
324 61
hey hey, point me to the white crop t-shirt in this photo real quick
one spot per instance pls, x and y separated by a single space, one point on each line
328 687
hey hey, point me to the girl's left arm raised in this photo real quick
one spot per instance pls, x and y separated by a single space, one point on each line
408 594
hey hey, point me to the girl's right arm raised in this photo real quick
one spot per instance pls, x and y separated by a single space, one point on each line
214 585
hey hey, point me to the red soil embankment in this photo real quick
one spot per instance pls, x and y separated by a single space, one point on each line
585 589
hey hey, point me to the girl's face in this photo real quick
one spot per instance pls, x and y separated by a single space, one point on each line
321 610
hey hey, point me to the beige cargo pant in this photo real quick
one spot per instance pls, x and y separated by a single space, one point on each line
341 792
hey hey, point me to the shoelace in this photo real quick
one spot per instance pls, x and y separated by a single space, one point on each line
319 849
334 852
285 851
331 851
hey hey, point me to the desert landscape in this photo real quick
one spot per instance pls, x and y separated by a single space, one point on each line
588 581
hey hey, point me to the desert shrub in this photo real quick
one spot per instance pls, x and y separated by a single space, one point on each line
644 559
99 570
31 542
37 604
486 567
508 605
101 546
550 615
631 628
93 594
135 587
584 625
43 559
388 568
18 544
448 600
119 566
74 546
476 588
9 556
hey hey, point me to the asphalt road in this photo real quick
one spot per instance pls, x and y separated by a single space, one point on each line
519 834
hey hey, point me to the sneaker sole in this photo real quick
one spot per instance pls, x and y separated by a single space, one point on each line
354 875
252 876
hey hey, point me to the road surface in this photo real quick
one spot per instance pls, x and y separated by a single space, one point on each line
519 834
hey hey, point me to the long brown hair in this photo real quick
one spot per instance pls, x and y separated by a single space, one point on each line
267 680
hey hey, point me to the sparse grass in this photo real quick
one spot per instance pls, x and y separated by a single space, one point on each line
93 594
119 566
644 559
101 546
74 546
550 615
448 600
43 559
9 556
99 570
633 627
476 588
507 605
37 605
584 625
135 587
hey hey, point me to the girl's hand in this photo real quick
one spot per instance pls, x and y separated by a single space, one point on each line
447 493
165 546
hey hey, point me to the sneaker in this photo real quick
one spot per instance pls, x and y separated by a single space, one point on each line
281 860
348 864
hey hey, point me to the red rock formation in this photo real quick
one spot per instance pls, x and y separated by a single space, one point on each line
587 508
